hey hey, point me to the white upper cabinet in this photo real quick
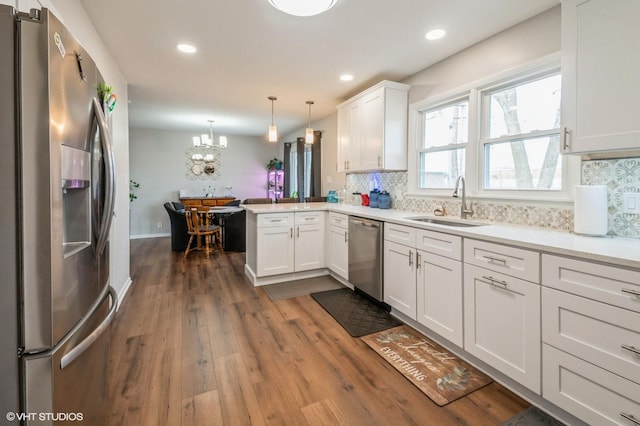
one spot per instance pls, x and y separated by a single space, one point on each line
600 75
372 129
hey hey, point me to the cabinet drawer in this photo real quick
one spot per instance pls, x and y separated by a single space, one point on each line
590 393
596 332
339 219
309 218
512 261
275 219
438 243
400 234
191 203
608 284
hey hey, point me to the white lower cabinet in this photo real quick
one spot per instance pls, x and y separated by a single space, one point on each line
591 340
502 323
423 278
337 246
289 242
594 395
400 278
439 291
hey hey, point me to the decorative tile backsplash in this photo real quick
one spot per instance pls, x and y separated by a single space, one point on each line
619 175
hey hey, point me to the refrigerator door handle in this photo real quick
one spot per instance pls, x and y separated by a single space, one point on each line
77 350
107 152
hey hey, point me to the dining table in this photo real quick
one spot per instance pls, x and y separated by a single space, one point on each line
221 213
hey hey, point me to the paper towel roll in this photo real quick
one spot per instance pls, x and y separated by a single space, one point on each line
590 210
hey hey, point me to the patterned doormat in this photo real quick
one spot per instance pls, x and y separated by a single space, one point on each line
355 312
439 374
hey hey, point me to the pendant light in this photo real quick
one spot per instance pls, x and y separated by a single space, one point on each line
273 129
308 133
303 7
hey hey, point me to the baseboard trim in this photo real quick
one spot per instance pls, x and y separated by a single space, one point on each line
141 236
275 279
123 291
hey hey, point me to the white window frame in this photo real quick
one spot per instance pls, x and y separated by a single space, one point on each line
474 160
441 148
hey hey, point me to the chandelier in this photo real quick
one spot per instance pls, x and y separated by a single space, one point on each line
208 140
303 7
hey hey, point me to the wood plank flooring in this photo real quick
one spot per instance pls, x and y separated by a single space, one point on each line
195 344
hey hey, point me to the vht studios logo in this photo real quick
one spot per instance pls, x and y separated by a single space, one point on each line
43 417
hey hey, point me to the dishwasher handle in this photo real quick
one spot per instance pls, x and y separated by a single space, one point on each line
363 223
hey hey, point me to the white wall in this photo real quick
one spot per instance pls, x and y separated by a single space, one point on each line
158 162
522 43
74 17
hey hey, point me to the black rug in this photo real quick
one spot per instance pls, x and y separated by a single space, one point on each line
355 312
532 416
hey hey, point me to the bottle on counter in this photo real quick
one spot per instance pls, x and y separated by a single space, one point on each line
384 200
373 198
342 196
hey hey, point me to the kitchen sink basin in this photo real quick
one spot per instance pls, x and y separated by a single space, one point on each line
446 222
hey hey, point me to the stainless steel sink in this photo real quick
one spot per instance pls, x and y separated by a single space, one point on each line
446 222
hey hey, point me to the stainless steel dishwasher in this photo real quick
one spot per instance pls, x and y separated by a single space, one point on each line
365 256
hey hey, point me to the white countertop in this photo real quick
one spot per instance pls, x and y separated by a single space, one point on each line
616 250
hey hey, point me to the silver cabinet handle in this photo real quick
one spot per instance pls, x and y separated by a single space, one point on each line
379 161
309 218
346 239
630 418
298 232
565 139
291 232
417 260
410 257
631 349
628 291
275 220
494 282
496 260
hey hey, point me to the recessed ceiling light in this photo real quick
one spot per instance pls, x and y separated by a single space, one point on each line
303 7
346 77
186 48
435 34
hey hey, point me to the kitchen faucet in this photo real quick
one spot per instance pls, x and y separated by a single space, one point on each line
464 210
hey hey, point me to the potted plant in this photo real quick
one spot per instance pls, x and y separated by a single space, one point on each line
274 164
133 185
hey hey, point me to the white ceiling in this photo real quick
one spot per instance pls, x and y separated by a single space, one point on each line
247 51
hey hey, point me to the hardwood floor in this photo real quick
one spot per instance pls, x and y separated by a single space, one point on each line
195 344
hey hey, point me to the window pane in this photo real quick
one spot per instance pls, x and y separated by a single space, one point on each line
530 164
441 168
524 108
446 125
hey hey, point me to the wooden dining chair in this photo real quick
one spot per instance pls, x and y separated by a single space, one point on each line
200 226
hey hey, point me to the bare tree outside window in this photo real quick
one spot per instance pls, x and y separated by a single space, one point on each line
527 134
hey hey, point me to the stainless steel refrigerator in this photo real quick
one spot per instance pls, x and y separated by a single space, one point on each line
56 193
